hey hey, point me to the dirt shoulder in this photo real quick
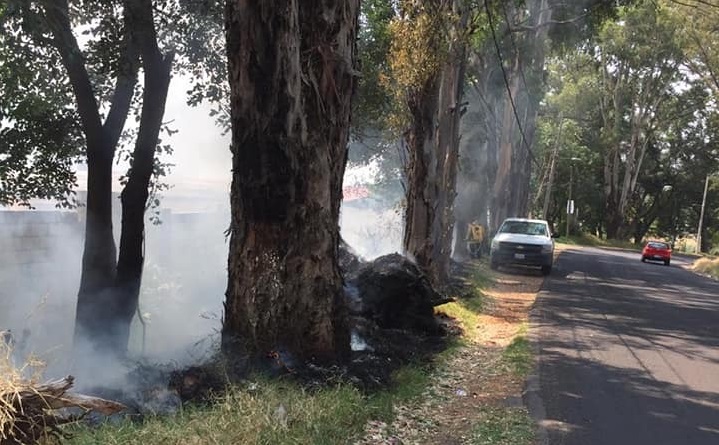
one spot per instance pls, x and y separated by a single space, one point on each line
475 395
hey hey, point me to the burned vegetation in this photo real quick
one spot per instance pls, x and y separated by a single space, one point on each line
389 304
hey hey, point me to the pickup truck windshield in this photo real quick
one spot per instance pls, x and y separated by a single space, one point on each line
524 228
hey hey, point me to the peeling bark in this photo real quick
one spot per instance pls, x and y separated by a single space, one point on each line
623 161
422 182
433 142
292 75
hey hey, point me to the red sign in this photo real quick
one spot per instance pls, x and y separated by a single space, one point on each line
354 192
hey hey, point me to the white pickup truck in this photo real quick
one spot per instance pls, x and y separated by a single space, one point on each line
526 242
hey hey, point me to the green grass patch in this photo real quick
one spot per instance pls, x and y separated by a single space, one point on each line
518 356
707 266
267 412
503 426
467 308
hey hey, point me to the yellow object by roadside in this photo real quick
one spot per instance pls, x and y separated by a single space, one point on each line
475 233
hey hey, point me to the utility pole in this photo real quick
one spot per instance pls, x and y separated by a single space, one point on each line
701 217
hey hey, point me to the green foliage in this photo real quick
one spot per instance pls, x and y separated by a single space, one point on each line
40 137
700 39
373 102
631 84
41 140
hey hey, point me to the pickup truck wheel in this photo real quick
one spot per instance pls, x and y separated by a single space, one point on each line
546 270
666 262
493 265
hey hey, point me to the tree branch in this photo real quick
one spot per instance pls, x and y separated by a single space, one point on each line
58 20
124 86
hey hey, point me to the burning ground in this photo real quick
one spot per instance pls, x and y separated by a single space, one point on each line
462 387
423 370
395 334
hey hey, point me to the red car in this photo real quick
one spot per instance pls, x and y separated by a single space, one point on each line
657 251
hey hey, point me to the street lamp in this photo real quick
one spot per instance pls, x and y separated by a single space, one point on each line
570 203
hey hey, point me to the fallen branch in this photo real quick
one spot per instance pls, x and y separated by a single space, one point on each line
29 413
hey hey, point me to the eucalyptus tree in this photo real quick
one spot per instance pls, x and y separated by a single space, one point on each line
292 71
427 64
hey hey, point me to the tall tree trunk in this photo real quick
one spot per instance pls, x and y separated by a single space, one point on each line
96 297
450 109
157 75
99 256
292 76
512 183
433 141
423 185
502 189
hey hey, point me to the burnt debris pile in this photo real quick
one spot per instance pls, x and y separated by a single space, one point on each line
392 319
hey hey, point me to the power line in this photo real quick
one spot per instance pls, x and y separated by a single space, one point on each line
516 49
506 84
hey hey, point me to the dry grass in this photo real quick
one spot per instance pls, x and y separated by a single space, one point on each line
16 382
707 266
32 412
586 239
264 411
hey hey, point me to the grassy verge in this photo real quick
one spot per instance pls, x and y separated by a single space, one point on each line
518 355
586 239
277 412
467 308
267 412
503 426
707 266
494 424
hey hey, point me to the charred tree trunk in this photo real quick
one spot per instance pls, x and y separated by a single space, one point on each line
99 255
157 75
292 76
109 287
96 295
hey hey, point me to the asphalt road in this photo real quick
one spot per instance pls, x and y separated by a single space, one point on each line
628 352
